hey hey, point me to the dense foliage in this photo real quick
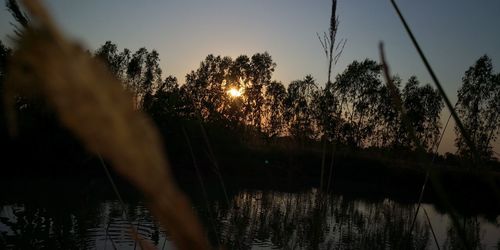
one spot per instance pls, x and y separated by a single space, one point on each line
354 110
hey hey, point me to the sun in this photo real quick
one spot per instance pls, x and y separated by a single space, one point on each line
233 92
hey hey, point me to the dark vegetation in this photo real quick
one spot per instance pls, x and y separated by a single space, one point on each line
272 132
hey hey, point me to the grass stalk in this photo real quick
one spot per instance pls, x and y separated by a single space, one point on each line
216 168
333 51
458 122
323 159
202 185
106 236
332 161
421 196
432 229
438 187
115 189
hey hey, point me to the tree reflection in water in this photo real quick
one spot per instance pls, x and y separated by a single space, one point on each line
255 219
309 221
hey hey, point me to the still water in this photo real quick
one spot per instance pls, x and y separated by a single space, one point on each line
248 219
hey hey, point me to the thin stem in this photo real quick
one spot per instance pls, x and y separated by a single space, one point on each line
458 122
432 229
215 163
113 185
427 176
202 184
438 187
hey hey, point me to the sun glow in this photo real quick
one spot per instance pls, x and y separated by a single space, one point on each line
233 92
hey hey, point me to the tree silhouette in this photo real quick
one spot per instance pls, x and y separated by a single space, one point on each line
143 74
116 62
328 112
358 90
206 86
423 106
274 109
167 103
262 67
299 102
239 110
386 134
478 106
355 110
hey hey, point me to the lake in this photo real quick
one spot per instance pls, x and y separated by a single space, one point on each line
59 218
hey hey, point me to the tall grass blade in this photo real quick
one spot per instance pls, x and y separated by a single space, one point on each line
432 229
398 104
115 188
332 161
459 123
421 196
202 184
215 163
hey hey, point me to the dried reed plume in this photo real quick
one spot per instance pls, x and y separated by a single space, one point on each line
92 104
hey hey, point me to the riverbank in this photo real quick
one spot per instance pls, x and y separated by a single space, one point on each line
278 164
470 192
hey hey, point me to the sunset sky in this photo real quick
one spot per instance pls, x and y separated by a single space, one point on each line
453 33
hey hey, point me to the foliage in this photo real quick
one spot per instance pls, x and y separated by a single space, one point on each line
299 104
479 107
423 106
358 90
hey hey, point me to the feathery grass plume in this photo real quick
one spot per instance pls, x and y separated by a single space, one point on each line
332 49
20 17
92 104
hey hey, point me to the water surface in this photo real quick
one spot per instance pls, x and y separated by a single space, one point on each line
251 219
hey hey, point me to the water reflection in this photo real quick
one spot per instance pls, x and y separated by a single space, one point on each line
254 220
309 221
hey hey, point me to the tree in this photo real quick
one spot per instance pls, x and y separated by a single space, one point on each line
299 103
165 104
274 109
388 125
206 87
478 107
239 109
143 74
423 106
328 112
358 91
262 67
116 62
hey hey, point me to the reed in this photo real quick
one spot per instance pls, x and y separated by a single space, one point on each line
333 50
437 185
91 103
432 229
447 101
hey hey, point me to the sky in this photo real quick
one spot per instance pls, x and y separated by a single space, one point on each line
452 33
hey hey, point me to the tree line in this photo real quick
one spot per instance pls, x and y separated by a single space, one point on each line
354 110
